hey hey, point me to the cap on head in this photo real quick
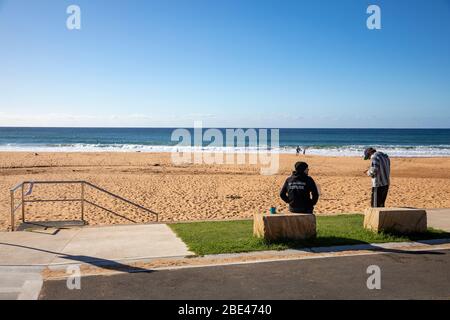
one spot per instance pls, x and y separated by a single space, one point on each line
301 166
368 152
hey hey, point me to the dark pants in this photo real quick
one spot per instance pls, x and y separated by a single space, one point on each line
379 195
301 210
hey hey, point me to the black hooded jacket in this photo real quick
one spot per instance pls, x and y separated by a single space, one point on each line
300 192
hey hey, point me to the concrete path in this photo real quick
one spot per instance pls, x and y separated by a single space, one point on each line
90 245
439 219
32 248
23 255
20 283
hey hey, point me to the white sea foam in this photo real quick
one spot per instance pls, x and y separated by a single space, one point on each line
341 151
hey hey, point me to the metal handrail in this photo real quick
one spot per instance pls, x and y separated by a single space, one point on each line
120 198
17 186
82 199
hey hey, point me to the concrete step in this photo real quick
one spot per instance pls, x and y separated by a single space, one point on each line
50 225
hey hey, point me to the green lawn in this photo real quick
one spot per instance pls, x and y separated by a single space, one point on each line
237 236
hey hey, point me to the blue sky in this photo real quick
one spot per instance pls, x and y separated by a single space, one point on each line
228 63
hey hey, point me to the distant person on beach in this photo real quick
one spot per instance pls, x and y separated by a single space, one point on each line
300 190
298 150
304 150
379 171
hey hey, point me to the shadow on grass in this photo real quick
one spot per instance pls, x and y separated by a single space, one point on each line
324 244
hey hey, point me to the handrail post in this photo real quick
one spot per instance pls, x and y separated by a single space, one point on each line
23 203
12 210
82 201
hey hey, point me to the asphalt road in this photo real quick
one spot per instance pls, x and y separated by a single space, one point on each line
420 275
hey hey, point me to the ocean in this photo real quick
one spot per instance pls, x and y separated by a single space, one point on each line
331 142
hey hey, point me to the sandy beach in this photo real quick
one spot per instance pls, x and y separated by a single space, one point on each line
200 191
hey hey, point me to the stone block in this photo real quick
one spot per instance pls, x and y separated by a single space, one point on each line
399 220
284 226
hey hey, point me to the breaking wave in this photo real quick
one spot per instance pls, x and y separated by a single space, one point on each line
344 151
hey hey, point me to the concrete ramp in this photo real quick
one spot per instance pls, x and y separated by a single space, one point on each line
91 245
122 243
25 248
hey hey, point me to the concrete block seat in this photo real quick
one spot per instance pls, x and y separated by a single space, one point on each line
399 220
284 226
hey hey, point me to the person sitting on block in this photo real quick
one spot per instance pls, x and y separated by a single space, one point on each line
300 190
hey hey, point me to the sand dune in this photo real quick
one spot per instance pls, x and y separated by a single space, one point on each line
198 192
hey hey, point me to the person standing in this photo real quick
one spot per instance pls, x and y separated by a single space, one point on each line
300 190
298 150
379 171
